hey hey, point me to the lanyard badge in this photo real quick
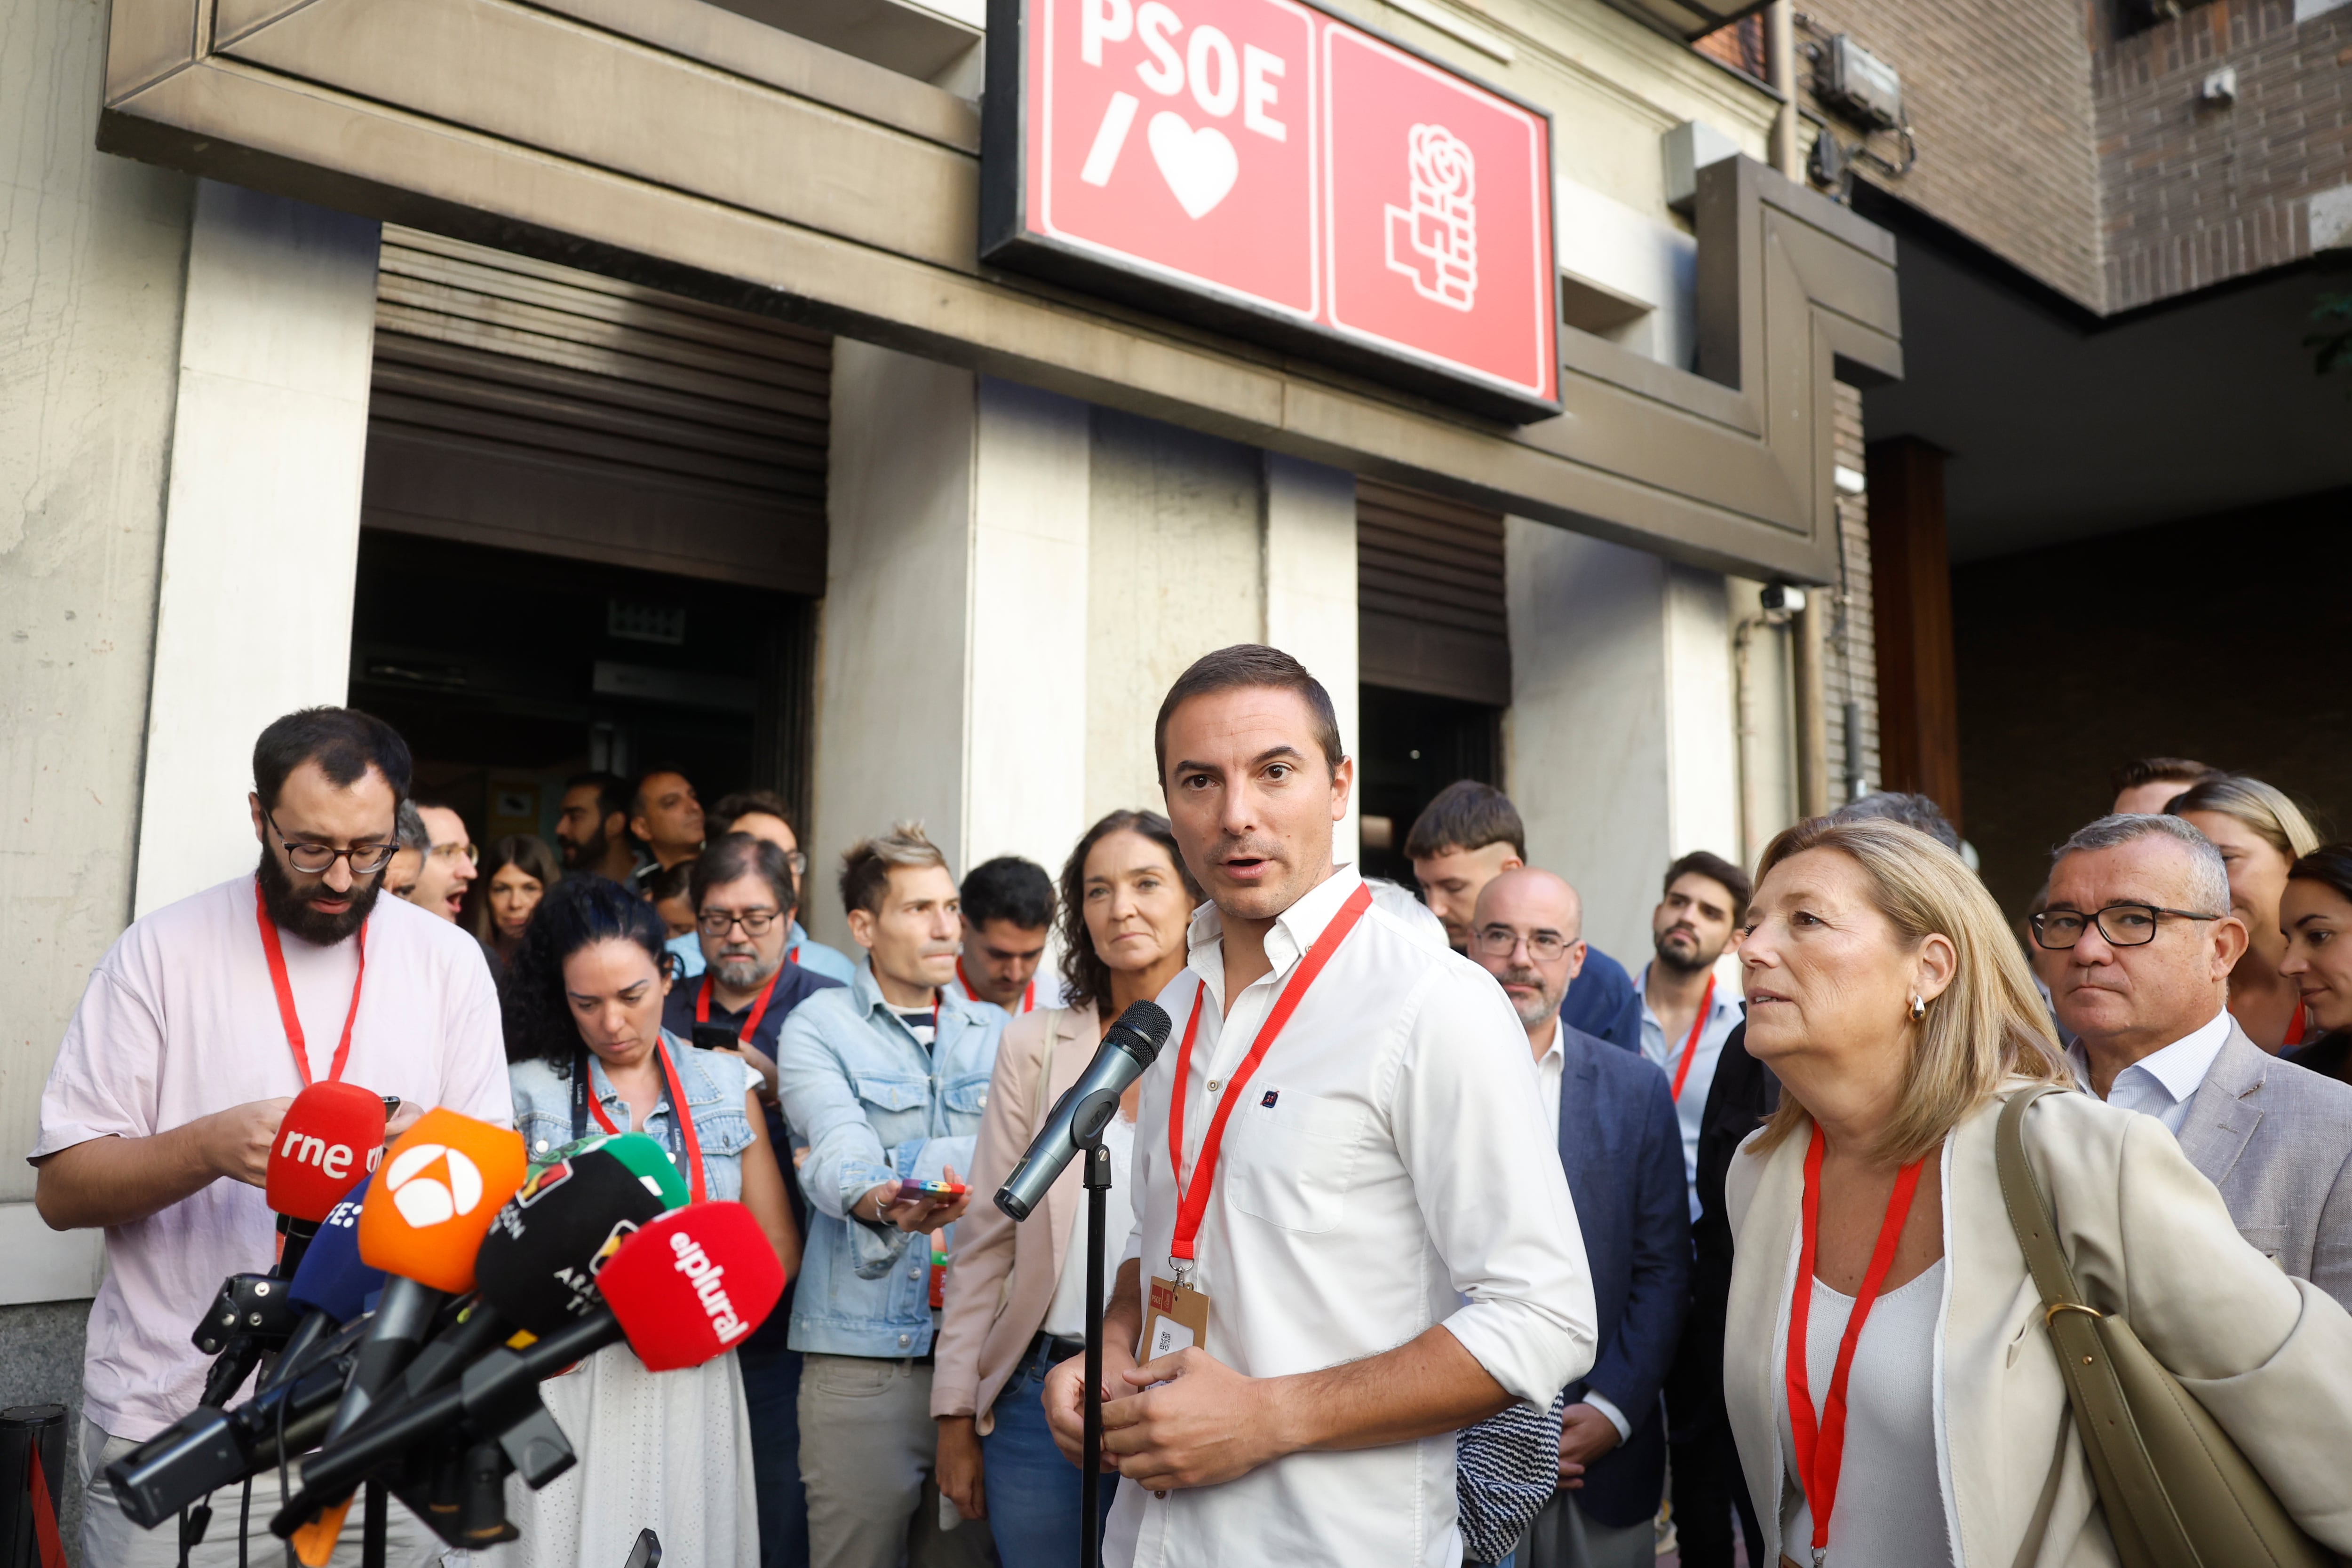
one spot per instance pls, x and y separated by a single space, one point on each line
1176 1315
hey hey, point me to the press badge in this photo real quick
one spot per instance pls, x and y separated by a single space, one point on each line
1178 1318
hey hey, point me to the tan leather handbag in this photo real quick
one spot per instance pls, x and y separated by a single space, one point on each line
2176 1491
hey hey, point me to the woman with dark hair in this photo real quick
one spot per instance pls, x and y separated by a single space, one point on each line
1016 1294
2316 914
587 1054
516 874
2260 833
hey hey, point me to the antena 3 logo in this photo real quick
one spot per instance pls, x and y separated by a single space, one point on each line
695 1265
433 1184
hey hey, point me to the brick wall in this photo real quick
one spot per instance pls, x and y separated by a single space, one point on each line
2195 195
1850 670
1998 95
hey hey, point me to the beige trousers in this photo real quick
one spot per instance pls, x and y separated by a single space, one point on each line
867 1447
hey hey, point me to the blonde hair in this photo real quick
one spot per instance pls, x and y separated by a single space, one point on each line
1988 1025
2264 810
865 865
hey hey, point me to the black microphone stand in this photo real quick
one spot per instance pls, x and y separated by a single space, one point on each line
1085 1129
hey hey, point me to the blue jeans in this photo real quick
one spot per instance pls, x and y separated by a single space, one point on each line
771 1387
1034 1493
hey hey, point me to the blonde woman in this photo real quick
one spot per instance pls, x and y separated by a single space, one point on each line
1016 1294
2260 833
1885 992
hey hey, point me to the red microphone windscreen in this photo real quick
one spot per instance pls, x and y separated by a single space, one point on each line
434 1195
330 1137
692 1284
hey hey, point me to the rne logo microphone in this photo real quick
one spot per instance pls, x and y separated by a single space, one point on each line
432 1184
333 1160
695 1265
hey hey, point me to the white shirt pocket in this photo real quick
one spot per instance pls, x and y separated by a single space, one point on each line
1290 1163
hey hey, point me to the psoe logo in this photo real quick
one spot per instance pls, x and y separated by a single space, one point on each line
427 1197
1433 239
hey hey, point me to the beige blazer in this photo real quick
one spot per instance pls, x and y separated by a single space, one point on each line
2270 1357
1002 1276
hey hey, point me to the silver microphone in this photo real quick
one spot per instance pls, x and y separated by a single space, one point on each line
1131 1046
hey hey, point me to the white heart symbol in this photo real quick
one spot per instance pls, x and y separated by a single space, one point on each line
1200 166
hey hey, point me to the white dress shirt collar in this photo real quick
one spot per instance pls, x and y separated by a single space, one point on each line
1294 931
2162 1082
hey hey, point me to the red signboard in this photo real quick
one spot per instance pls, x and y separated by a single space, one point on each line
1270 169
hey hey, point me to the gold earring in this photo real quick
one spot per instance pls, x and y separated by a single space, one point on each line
1918 1007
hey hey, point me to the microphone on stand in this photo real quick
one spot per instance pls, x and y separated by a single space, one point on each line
1077 1117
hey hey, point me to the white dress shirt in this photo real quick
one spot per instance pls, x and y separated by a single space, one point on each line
1723 1016
2161 1083
1385 1162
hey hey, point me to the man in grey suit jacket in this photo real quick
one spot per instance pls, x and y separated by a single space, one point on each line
2140 907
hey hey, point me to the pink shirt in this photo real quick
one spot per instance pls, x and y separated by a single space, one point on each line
180 1020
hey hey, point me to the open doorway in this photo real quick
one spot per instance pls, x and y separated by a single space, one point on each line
1412 746
509 671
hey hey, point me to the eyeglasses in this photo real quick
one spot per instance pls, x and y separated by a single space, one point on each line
312 860
1543 946
718 922
796 862
2122 924
466 852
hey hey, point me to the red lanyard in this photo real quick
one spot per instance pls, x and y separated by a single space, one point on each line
1028 992
1193 1200
677 1109
1690 1045
1820 1454
751 1020
276 953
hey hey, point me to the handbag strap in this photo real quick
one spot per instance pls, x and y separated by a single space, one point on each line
2029 1208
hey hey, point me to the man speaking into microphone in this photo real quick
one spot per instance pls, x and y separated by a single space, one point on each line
1355 1236
176 1083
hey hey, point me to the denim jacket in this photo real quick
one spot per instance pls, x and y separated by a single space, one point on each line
874 1107
712 1082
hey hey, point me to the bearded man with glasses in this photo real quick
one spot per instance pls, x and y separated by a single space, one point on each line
2139 909
198 1027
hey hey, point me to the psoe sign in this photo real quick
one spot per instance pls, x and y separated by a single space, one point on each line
1268 169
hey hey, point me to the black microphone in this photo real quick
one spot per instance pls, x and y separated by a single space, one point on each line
1078 1116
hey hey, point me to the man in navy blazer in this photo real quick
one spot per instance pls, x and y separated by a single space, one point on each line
1621 1148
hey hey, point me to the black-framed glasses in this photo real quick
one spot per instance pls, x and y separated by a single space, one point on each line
312 860
2122 924
1543 946
718 922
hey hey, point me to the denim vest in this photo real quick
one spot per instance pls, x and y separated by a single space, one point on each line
875 1107
713 1085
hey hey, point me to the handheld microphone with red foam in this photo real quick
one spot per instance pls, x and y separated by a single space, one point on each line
687 1287
432 1198
331 1137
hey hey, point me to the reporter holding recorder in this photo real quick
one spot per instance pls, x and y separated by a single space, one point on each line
1886 993
199 1027
1016 1294
1357 1141
672 1451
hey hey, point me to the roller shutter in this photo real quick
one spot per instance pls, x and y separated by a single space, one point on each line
1430 613
527 405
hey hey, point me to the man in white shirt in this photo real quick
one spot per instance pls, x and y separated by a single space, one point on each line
1381 1159
448 869
1685 1015
198 1027
2139 908
1614 1124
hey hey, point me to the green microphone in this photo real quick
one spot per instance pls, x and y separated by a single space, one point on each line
644 1158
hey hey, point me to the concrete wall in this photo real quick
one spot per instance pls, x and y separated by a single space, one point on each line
1620 741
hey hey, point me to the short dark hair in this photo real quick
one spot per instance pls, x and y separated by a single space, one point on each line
865 865
2178 771
730 857
1010 889
1086 979
577 913
1713 866
637 790
343 741
1911 810
672 880
744 802
1250 665
614 793
1465 815
2330 865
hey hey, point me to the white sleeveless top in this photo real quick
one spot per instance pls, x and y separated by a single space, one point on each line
1890 1496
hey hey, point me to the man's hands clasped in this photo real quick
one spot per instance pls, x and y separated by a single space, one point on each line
1184 1421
